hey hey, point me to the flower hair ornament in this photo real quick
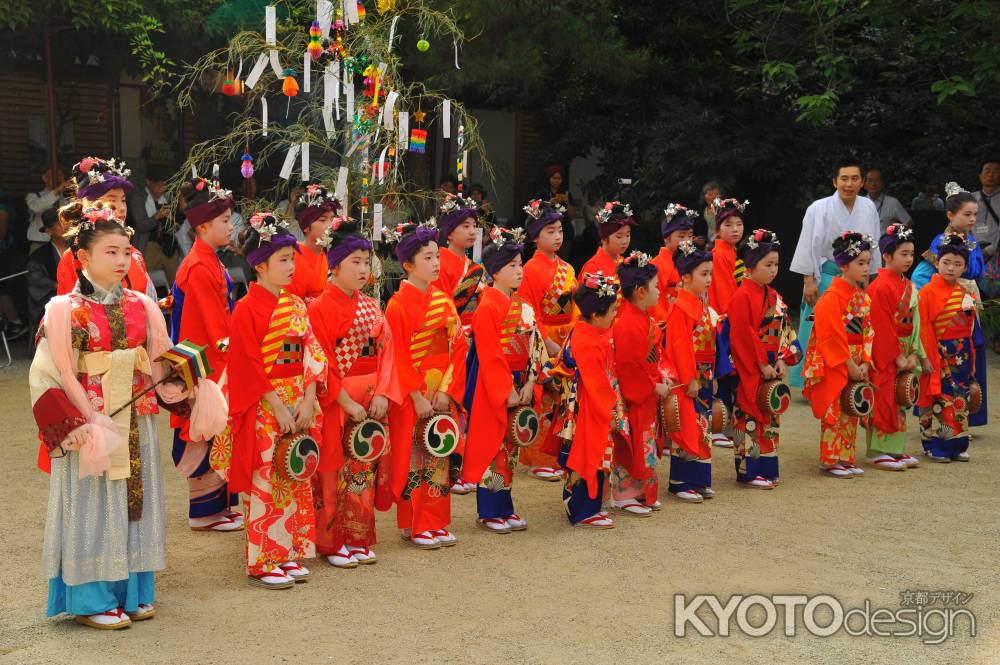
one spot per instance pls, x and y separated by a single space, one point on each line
952 188
316 195
267 226
456 202
396 233
96 169
955 240
604 286
535 209
340 224
900 232
759 236
637 259
723 204
604 215
675 209
500 236
687 248
856 243
215 191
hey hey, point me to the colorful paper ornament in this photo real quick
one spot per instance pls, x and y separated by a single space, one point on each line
418 140
418 116
246 169
315 41
188 361
423 45
361 12
290 87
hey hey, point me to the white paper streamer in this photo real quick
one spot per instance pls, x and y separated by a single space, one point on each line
340 191
387 108
239 70
381 166
392 30
257 71
307 73
328 88
270 26
263 115
352 12
446 119
215 172
328 123
455 44
477 249
349 93
377 223
286 168
275 63
304 151
324 14
194 171
403 129
336 87
465 164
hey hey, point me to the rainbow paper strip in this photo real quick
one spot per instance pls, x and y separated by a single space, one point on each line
418 140
189 361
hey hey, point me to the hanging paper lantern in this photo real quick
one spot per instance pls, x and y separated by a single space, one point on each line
246 169
423 45
361 12
315 41
290 87
229 88
418 140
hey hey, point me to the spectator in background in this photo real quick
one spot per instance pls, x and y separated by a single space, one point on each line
890 210
557 194
704 226
448 185
43 265
149 214
928 199
51 196
486 212
12 325
286 211
987 228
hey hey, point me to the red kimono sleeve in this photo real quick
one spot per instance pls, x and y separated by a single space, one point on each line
593 424
530 291
637 378
748 352
205 317
459 350
488 420
885 350
65 274
248 383
332 456
831 344
395 315
680 345
930 382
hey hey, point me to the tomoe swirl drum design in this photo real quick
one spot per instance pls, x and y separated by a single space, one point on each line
774 397
296 457
522 426
366 441
439 434
858 399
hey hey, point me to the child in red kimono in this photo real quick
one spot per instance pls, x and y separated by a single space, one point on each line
105 183
548 287
509 353
461 279
690 348
637 344
727 273
947 319
314 211
614 225
589 423
677 226
840 350
276 371
763 346
202 302
896 348
361 383
430 349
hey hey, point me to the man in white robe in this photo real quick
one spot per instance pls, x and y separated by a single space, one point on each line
824 221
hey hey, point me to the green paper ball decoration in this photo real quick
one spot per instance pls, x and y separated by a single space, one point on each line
423 45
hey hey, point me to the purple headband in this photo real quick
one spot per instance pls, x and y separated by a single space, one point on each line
269 247
206 212
688 257
595 293
311 213
953 243
759 244
95 177
676 218
636 270
849 246
894 236
350 244
97 190
495 259
411 242
541 214
451 221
